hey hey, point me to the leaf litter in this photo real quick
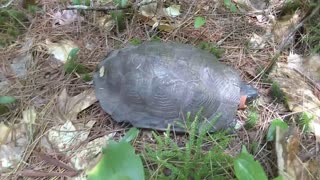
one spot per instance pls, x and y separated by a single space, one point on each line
69 121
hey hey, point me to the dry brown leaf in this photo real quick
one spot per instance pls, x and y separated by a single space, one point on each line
69 107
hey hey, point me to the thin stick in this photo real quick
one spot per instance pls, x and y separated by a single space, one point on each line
6 5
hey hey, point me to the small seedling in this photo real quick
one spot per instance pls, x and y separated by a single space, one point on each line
305 120
135 41
252 119
199 22
212 48
276 92
72 64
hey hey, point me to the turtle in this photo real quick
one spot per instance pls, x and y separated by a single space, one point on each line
155 84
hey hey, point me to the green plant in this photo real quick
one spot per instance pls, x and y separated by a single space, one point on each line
212 48
119 161
272 129
230 5
72 64
246 168
4 102
313 36
12 24
86 77
191 161
252 119
199 22
277 93
135 41
305 119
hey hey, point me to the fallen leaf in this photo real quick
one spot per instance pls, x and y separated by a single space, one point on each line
148 8
21 64
67 136
106 22
87 155
65 17
61 49
257 42
5 130
13 144
69 107
162 25
172 11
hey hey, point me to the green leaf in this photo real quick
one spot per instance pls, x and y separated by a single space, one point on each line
130 135
272 128
76 2
246 168
7 99
230 5
278 178
119 162
73 53
199 22
233 8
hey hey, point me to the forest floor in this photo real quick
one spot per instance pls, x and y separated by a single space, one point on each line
43 86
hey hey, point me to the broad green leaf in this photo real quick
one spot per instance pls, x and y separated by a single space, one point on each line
272 128
7 99
119 162
227 3
246 168
278 178
130 135
199 22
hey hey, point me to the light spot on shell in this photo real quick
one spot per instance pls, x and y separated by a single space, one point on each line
101 71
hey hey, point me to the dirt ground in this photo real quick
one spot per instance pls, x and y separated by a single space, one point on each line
45 78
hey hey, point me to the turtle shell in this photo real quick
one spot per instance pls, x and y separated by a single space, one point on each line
155 84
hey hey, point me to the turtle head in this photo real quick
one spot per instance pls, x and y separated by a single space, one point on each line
250 92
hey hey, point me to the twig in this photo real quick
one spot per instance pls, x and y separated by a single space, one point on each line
106 8
6 5
103 8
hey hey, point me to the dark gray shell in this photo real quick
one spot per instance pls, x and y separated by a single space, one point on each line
154 84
